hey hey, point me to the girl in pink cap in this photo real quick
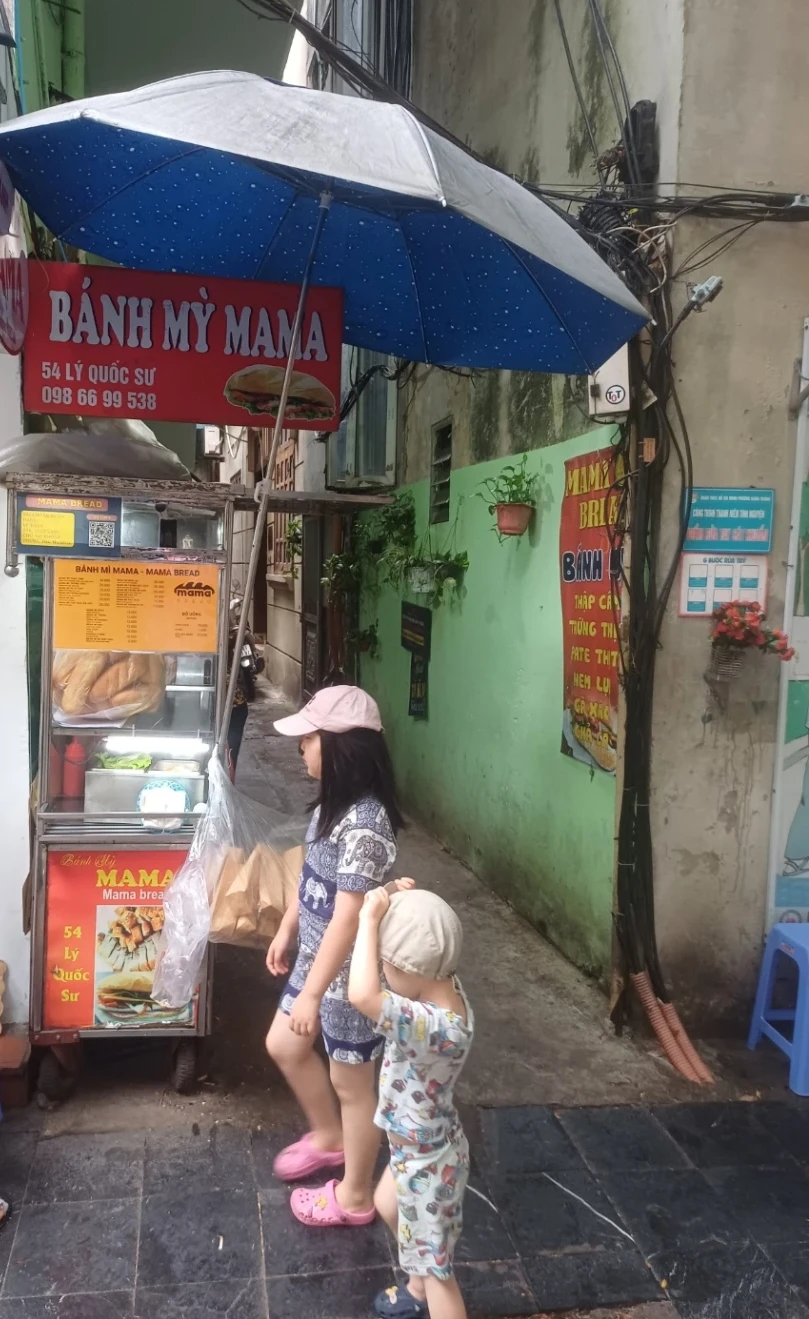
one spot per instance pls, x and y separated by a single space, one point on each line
351 846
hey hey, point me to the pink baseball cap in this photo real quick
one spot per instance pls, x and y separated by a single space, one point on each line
333 710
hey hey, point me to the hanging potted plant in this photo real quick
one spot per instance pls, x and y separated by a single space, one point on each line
511 497
739 627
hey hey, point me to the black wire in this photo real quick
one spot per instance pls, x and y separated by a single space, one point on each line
624 120
577 87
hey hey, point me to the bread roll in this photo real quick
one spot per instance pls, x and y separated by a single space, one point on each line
88 669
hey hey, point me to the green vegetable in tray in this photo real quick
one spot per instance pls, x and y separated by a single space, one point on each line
134 761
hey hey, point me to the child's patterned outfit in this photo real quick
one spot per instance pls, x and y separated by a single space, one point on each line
425 1048
354 858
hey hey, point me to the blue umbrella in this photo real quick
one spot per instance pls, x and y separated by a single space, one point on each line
441 259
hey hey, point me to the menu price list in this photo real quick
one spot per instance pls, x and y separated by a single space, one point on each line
116 606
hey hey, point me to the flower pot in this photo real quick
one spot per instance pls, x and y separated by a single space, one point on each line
727 662
513 519
421 580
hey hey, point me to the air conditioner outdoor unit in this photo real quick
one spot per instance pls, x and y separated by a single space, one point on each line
212 443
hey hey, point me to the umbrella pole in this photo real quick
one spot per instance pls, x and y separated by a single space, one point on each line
261 517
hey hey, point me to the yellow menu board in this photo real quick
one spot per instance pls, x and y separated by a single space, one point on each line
166 607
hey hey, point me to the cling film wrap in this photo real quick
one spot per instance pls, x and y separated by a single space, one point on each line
107 686
239 877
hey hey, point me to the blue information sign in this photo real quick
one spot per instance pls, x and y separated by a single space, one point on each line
733 519
68 526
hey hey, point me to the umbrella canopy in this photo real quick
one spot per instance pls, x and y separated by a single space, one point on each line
441 259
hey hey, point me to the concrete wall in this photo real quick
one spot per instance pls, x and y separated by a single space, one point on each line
729 81
132 44
485 772
742 124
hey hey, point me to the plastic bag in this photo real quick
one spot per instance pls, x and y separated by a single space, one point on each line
108 448
239 876
112 686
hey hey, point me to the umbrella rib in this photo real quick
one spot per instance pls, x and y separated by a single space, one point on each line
87 215
515 252
431 159
265 254
416 291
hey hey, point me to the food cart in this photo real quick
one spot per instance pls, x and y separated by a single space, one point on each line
134 659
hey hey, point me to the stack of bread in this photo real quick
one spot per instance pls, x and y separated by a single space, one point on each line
107 683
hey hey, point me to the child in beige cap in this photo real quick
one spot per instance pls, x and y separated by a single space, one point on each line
427 1024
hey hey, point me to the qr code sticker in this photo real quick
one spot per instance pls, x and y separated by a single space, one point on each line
101 535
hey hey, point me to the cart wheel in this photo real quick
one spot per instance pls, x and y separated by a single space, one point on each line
184 1071
54 1082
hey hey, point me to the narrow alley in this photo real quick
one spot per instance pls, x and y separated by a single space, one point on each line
597 1180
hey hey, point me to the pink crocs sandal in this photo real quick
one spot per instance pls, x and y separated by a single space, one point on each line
303 1158
318 1207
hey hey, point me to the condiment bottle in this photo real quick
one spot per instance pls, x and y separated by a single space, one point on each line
74 770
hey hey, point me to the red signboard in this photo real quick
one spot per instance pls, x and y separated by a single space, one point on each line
104 342
103 916
590 582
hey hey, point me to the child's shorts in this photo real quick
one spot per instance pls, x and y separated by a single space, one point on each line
430 1189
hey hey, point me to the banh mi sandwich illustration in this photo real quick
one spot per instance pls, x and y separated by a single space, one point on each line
598 738
126 994
257 389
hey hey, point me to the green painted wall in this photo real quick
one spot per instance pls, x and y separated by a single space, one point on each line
485 773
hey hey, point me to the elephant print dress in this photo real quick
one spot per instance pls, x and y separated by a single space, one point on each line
354 858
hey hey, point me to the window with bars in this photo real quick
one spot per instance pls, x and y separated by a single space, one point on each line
440 470
278 560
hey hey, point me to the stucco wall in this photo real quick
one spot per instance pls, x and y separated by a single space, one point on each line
743 89
485 772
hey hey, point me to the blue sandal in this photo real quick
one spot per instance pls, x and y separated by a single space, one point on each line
397 1303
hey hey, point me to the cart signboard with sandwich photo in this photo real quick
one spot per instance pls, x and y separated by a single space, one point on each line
104 914
590 575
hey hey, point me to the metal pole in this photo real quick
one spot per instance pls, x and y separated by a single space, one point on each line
787 671
261 518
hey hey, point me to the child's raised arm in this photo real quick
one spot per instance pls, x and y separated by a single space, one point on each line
364 986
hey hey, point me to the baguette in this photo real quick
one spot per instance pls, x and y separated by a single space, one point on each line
114 679
86 672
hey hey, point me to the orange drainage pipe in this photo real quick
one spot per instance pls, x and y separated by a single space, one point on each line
681 1036
661 1028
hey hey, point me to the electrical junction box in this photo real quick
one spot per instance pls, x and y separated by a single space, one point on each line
608 388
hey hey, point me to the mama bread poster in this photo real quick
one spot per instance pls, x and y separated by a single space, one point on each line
103 916
590 568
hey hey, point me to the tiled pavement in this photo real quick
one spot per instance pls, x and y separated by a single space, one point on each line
706 1205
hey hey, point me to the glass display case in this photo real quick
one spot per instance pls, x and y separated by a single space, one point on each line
133 676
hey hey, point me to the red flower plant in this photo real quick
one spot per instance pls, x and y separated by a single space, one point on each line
739 625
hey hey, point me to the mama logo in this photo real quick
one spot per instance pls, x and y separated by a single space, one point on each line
195 589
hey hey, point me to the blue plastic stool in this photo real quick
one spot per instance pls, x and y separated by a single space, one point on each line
792 941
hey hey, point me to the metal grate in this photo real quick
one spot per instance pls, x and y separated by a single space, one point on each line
440 471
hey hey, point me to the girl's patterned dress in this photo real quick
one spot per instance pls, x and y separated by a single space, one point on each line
354 858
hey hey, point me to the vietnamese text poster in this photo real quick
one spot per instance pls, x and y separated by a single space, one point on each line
590 586
103 916
107 342
168 608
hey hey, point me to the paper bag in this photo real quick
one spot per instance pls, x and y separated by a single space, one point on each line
252 895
